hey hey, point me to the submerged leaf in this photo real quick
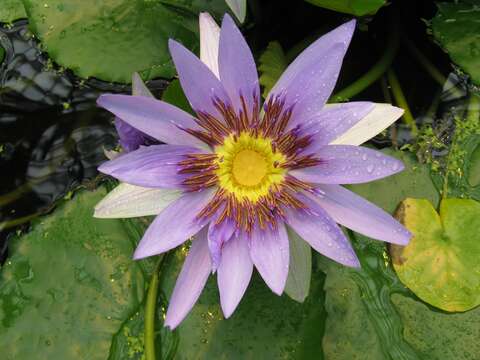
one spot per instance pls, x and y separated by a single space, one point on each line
438 335
440 265
456 28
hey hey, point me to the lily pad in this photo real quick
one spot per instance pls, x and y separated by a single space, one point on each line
438 335
354 7
68 285
11 10
261 319
456 28
111 40
174 95
440 264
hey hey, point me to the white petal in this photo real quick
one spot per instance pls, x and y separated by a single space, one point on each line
209 40
380 118
138 86
127 201
239 8
111 154
300 268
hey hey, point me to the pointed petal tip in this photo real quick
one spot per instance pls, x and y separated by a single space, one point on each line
102 99
141 253
136 77
173 44
351 24
227 19
170 324
227 310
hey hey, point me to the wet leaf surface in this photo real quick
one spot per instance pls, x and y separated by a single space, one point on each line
68 285
264 326
440 265
11 10
438 335
111 40
457 29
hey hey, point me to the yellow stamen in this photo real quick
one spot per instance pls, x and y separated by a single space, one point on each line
248 166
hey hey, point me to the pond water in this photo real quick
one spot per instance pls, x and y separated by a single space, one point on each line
53 137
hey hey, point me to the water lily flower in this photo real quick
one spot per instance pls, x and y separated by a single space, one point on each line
240 176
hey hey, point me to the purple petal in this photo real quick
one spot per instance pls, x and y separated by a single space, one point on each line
198 82
131 138
310 79
333 121
322 233
348 164
356 213
238 72
156 118
234 273
154 166
269 250
169 229
218 235
190 282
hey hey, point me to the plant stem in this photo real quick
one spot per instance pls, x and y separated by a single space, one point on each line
376 71
150 311
402 101
473 110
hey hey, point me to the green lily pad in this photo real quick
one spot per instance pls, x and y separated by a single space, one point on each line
354 7
440 265
68 285
456 28
111 40
438 335
174 95
11 10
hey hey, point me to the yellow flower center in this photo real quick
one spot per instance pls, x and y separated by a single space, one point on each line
248 166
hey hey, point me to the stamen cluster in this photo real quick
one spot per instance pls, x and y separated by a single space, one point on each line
282 148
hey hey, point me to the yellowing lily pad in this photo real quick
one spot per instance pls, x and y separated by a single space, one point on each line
441 265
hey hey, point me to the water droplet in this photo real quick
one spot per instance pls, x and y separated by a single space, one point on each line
370 168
